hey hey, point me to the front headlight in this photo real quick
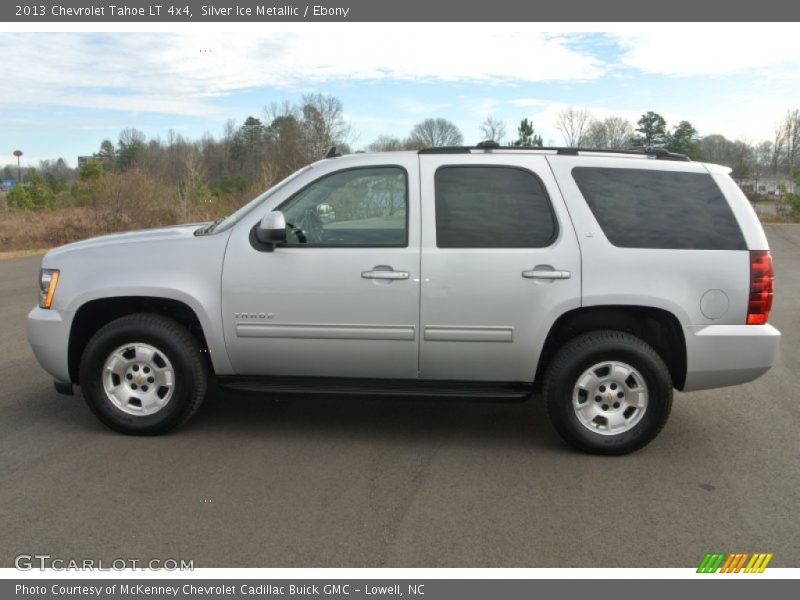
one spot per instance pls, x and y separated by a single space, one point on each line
48 280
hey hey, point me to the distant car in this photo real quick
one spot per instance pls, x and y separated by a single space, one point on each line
606 278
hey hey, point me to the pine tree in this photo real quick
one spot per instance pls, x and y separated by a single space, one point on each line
527 136
683 139
653 130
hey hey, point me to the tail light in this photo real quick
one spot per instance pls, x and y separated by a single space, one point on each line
761 278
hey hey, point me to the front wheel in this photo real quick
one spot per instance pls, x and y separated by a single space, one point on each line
143 374
608 392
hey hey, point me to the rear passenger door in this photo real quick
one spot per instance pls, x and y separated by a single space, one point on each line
500 262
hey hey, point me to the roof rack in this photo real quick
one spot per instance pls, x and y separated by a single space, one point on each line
658 153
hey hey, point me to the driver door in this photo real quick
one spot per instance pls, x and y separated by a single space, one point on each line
341 297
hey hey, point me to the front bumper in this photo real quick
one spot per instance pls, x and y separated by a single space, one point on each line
723 355
48 335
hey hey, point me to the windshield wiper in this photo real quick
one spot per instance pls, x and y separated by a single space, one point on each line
210 227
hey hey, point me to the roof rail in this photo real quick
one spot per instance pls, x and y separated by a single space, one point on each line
658 153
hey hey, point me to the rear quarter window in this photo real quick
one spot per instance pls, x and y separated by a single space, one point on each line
645 208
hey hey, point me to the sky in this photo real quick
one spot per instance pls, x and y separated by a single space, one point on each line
62 93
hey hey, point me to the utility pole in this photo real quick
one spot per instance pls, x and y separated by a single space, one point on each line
18 153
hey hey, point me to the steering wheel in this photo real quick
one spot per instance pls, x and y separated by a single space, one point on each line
297 232
312 227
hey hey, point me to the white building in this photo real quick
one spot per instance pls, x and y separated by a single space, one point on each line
769 186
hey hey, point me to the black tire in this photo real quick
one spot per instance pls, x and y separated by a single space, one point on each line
582 353
175 342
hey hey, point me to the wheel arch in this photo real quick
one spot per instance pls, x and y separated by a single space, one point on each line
658 327
94 314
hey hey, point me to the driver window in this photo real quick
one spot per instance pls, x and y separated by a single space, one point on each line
356 207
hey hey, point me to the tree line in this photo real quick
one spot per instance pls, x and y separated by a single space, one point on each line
186 179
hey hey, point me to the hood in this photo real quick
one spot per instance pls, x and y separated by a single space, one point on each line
129 237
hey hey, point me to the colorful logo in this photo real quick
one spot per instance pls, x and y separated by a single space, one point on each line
720 562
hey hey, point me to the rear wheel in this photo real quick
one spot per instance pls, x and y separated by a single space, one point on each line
608 392
143 374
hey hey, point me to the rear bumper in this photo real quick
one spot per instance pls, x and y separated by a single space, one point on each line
723 355
48 335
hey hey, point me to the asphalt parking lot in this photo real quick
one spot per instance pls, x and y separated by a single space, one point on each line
255 482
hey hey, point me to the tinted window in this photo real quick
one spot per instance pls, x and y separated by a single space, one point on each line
641 208
356 207
492 207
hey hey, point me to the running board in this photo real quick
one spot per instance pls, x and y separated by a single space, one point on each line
479 390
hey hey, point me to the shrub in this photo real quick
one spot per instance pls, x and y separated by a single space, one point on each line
794 205
19 197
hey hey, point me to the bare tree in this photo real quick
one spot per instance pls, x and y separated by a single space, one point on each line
619 132
613 133
324 123
386 143
284 109
493 129
191 187
573 123
762 160
296 135
717 149
596 135
435 132
791 128
741 160
778 141
56 173
216 153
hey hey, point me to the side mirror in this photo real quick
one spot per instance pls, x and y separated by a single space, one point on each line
272 228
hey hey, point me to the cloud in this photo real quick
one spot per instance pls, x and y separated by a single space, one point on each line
747 116
482 107
186 73
716 49
527 102
466 71
412 106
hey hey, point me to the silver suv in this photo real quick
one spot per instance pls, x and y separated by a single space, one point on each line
604 278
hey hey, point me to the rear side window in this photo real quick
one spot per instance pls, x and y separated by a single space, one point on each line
643 208
492 207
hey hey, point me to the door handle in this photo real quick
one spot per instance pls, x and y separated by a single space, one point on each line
384 274
546 274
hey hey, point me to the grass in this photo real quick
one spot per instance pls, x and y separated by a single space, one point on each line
25 231
774 219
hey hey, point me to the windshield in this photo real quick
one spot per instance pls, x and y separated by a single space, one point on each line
233 218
